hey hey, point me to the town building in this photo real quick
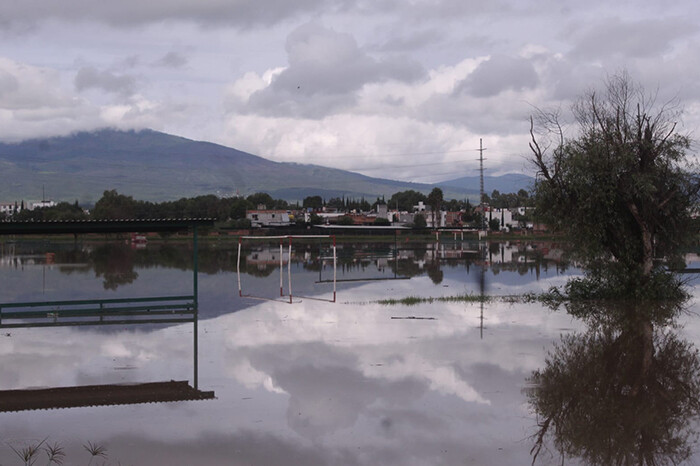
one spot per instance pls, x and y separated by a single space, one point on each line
9 208
268 218
41 204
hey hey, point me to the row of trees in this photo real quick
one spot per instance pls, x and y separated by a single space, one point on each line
340 203
113 205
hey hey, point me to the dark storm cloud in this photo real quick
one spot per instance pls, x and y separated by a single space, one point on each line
241 13
91 78
639 39
499 74
326 69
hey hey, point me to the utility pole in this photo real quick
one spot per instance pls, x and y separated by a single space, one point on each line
481 171
481 182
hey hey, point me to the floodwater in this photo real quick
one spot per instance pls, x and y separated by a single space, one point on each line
350 382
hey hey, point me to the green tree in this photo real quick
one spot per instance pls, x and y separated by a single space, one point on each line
435 199
419 221
622 188
494 224
60 212
345 220
313 202
238 207
113 205
337 203
261 199
315 219
523 219
406 200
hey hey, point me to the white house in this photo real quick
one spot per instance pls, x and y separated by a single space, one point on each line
9 208
383 212
504 216
268 218
41 204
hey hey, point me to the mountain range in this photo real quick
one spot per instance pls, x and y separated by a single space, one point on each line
155 166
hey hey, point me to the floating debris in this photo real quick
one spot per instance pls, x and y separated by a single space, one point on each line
413 318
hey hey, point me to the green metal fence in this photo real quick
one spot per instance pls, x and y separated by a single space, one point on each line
157 309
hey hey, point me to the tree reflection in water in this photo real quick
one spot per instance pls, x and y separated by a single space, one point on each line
624 392
114 262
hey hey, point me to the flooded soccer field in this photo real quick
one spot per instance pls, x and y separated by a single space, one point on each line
309 378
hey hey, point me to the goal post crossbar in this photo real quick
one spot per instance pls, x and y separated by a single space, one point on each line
288 237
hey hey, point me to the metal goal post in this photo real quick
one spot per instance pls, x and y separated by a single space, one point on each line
289 240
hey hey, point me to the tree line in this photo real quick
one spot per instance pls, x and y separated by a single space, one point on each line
114 205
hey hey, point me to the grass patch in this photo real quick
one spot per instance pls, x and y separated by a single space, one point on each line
407 301
413 300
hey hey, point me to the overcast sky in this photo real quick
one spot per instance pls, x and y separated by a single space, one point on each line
399 89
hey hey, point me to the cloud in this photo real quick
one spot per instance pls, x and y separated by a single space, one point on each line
417 131
91 78
284 79
34 103
241 13
443 10
326 70
24 87
132 61
630 39
171 60
401 41
327 392
499 74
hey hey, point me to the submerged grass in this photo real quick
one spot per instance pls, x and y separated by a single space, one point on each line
28 454
414 300
55 453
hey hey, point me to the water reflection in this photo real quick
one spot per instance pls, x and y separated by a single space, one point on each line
623 392
316 383
117 262
18 398
54 271
114 263
308 384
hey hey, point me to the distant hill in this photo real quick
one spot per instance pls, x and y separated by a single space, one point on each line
508 183
156 166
